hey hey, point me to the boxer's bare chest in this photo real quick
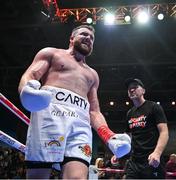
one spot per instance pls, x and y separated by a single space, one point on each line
68 72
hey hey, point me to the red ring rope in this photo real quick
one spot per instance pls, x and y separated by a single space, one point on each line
14 109
111 170
171 173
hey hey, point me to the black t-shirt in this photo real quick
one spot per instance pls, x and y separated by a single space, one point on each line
142 124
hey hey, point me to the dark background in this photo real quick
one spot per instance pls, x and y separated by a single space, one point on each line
147 52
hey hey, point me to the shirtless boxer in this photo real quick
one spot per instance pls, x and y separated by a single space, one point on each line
60 91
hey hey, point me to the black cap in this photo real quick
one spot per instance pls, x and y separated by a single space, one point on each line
129 81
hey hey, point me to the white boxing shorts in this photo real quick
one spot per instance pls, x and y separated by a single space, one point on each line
60 130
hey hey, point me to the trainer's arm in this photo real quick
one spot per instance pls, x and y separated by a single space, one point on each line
163 138
154 157
38 67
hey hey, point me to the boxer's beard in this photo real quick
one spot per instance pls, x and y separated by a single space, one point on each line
82 48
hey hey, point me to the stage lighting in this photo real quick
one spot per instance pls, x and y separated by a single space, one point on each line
173 103
111 103
127 18
89 20
143 17
44 16
127 103
109 19
160 16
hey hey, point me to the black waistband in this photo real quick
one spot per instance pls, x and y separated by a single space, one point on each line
39 164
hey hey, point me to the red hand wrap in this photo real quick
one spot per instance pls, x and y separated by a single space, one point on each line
105 133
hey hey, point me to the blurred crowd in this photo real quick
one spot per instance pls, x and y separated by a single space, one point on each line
107 167
103 164
171 167
12 165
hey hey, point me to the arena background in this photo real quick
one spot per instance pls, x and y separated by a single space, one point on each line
120 52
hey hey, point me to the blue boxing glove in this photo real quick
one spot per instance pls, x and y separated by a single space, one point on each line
119 144
34 99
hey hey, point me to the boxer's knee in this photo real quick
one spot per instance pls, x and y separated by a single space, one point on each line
75 170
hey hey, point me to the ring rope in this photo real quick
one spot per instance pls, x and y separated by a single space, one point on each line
14 109
171 173
111 170
12 142
5 137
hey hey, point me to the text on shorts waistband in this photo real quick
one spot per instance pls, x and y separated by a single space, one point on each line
68 97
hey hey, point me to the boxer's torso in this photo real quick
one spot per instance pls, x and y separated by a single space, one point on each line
65 72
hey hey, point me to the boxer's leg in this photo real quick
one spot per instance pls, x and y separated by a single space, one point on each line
75 170
43 173
38 170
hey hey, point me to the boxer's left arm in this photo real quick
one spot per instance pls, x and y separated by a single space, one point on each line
31 96
37 69
119 144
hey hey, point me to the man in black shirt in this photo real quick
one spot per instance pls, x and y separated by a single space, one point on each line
147 123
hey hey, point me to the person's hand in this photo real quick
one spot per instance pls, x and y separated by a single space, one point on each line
34 99
119 144
114 160
101 174
154 159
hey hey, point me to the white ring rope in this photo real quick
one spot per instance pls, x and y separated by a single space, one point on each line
12 142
